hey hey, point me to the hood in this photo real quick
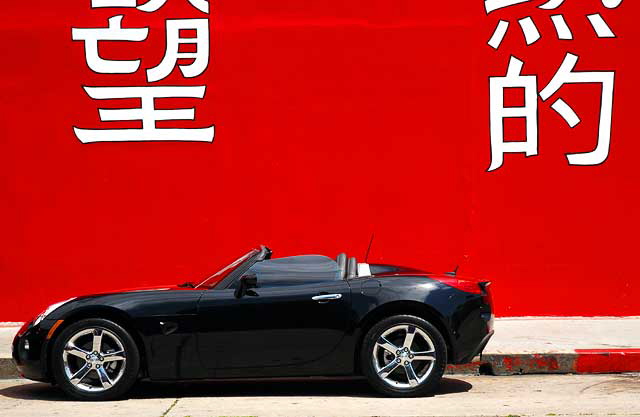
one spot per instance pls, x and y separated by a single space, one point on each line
138 289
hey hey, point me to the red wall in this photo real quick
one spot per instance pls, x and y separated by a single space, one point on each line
334 119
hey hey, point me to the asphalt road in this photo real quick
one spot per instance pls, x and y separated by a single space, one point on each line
526 395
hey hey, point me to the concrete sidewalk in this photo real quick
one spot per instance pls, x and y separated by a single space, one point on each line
526 345
459 396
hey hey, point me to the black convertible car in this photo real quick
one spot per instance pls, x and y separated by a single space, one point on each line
261 317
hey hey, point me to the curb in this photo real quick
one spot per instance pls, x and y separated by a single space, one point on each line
602 361
581 361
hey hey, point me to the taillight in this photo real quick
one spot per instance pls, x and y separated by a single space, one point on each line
461 284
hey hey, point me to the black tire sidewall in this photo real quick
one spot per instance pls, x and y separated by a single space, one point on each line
132 365
371 338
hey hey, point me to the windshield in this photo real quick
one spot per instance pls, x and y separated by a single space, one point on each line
218 276
296 270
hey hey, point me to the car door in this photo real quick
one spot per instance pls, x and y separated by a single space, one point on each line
272 326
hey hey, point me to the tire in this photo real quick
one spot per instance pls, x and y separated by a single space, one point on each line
103 373
385 356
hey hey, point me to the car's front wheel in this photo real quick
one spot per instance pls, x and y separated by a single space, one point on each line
95 359
403 356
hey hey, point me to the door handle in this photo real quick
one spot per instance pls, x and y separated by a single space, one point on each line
325 298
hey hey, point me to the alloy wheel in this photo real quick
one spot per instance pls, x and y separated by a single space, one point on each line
94 359
404 356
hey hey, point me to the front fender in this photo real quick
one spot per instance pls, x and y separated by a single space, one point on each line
142 315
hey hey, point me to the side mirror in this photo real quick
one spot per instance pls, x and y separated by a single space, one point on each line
246 282
250 281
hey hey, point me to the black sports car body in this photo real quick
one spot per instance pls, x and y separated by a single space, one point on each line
260 317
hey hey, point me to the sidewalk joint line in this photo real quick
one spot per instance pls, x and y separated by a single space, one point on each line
170 407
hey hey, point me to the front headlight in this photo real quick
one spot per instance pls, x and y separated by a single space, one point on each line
49 310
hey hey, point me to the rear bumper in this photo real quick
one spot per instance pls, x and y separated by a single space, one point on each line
476 334
481 347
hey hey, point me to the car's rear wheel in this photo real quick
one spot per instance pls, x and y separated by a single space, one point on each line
95 359
403 356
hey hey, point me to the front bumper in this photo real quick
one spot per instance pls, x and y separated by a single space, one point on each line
29 351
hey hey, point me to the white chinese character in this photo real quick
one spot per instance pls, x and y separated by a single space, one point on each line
150 6
566 75
147 113
491 5
530 30
201 56
498 112
153 5
554 4
115 32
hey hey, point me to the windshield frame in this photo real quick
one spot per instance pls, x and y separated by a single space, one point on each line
228 270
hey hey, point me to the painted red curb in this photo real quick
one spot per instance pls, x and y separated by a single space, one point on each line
602 361
580 361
